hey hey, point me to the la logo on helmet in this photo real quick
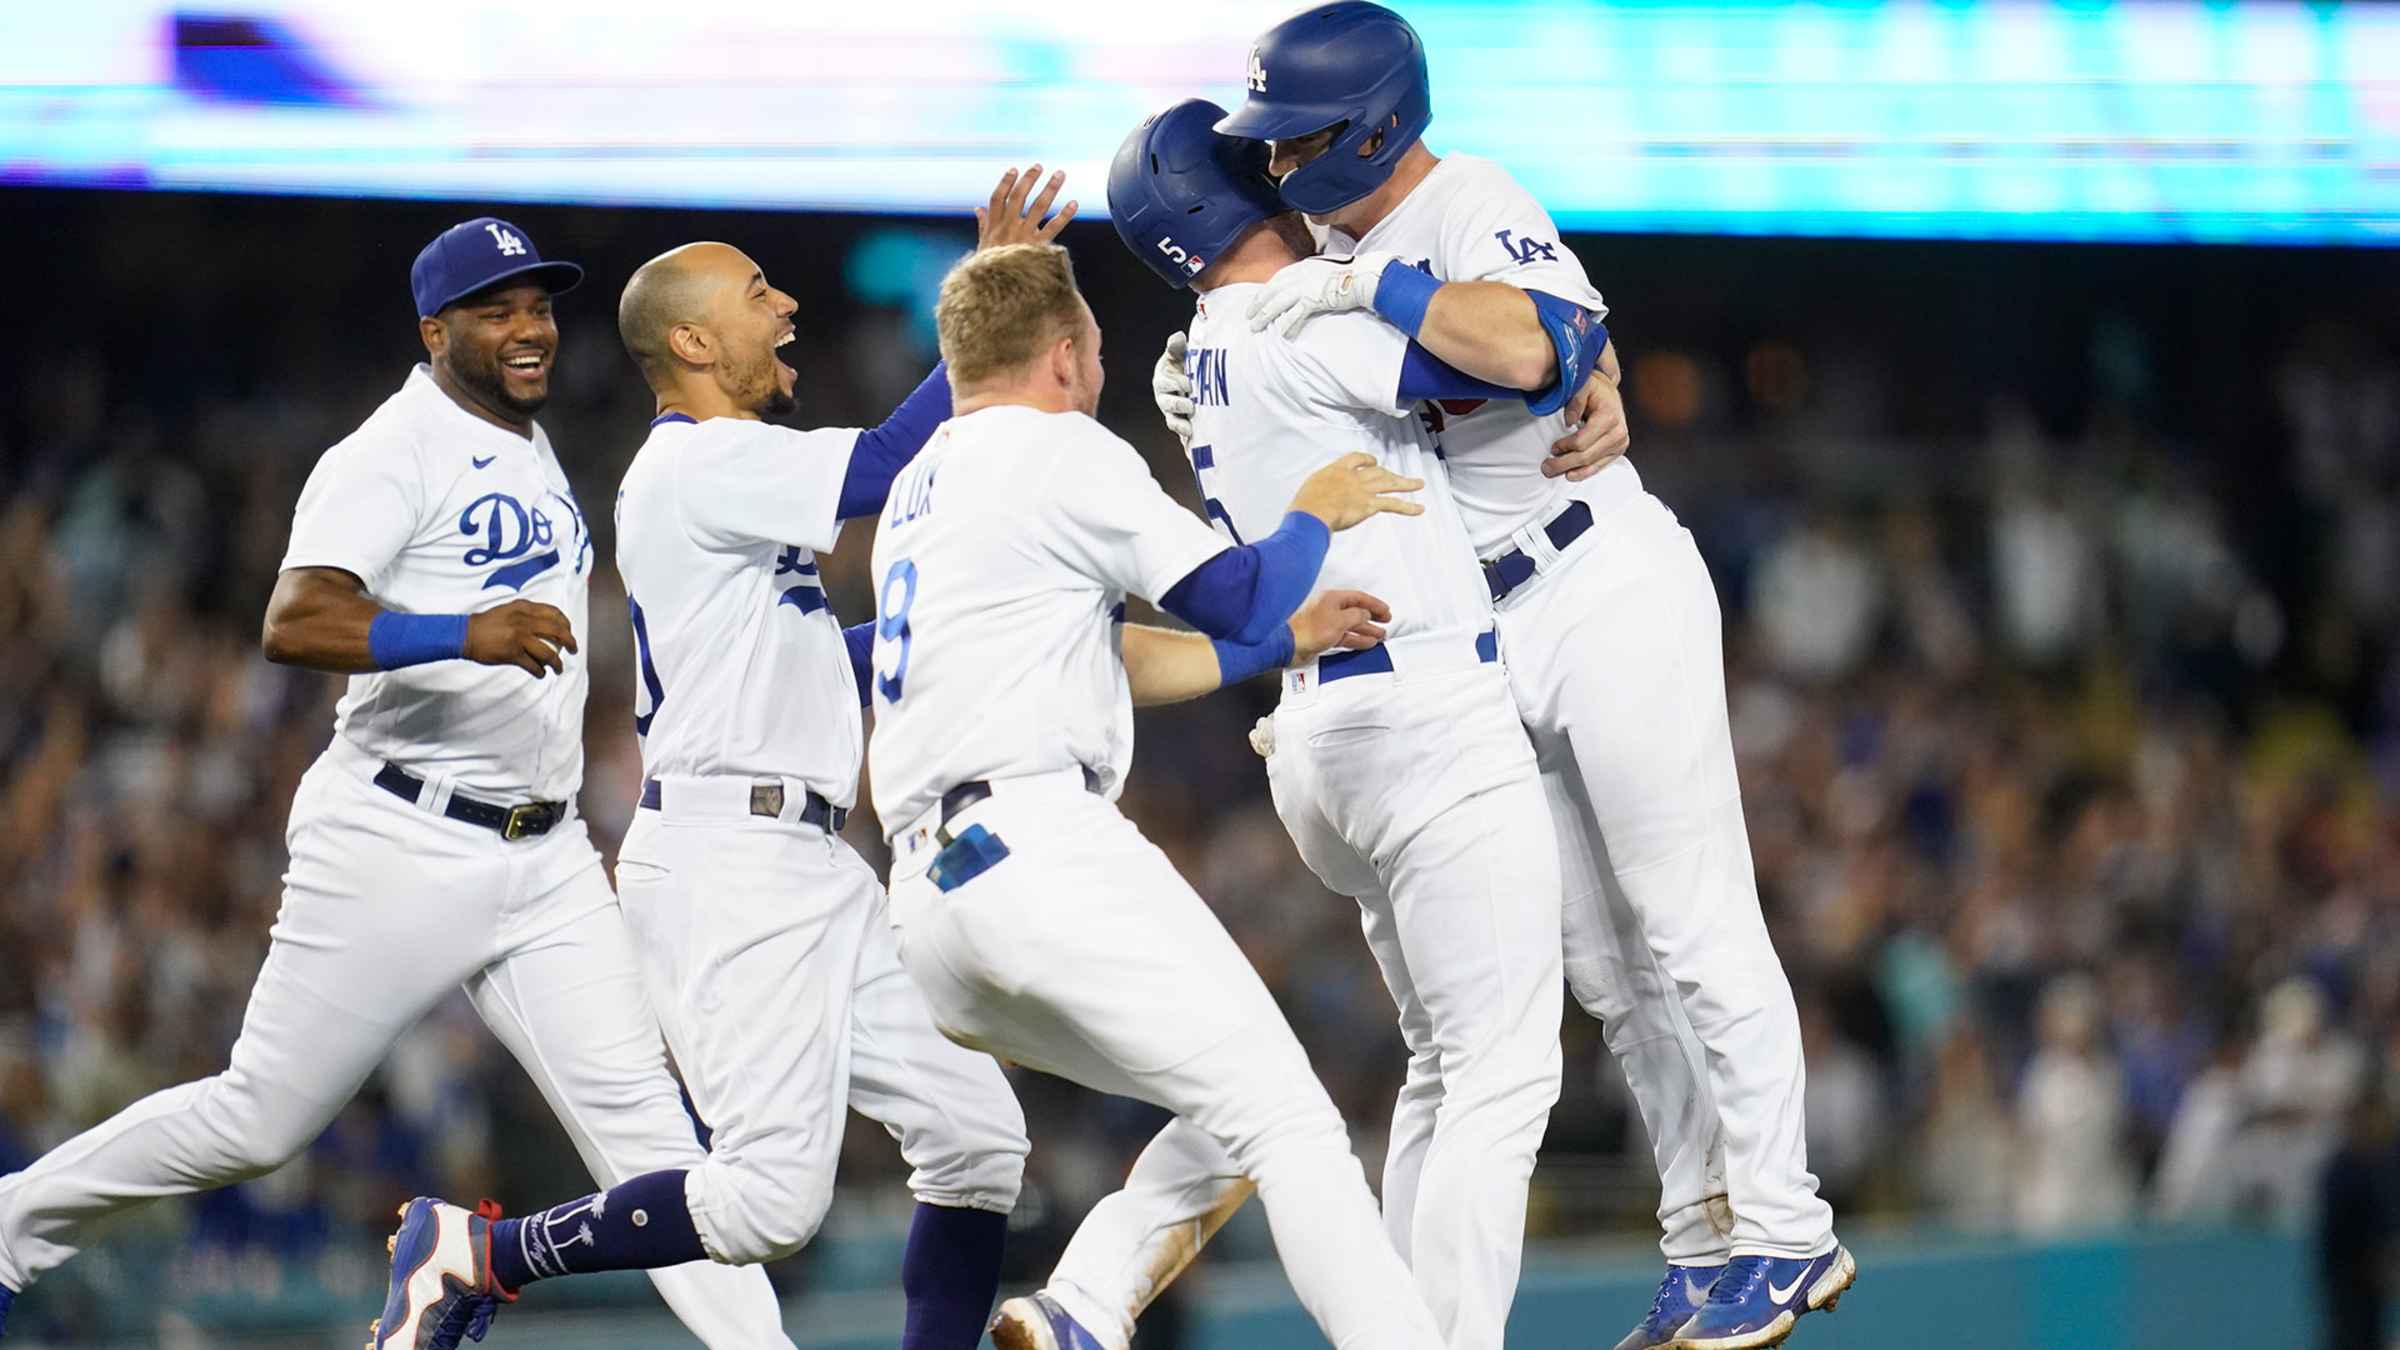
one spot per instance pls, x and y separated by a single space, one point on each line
510 245
1258 73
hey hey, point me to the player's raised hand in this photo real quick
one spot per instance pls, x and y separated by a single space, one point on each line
1299 293
1010 219
1597 433
522 633
1353 488
1351 620
1171 389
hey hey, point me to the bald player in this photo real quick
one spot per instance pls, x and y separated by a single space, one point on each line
763 937
439 559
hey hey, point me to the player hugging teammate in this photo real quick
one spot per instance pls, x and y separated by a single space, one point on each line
1502 731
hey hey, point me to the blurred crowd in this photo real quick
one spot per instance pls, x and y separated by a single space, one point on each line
2070 741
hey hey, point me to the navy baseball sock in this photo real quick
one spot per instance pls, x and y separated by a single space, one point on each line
641 1225
7 1296
951 1274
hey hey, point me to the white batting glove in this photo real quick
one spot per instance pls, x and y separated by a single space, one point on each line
1298 293
1171 389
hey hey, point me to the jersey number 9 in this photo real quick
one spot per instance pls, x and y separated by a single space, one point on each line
891 624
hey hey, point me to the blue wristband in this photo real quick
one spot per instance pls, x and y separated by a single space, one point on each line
396 640
1403 294
1238 661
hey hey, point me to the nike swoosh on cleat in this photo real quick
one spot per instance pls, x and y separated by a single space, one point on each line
1694 1292
486 460
1783 1294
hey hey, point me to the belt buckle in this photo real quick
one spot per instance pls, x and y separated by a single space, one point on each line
522 819
766 799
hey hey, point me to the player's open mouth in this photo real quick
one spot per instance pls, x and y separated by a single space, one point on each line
783 342
527 365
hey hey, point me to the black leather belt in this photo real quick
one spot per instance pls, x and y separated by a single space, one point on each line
523 821
1513 569
766 799
975 790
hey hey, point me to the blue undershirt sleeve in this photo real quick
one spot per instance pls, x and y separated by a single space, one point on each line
883 451
1239 661
1243 594
1424 376
860 639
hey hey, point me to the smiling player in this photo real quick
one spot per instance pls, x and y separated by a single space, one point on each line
439 558
764 938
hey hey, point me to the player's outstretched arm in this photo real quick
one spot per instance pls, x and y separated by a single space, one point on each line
1166 666
881 452
322 618
1353 490
1244 594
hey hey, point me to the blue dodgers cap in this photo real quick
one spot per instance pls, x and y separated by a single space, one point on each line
475 254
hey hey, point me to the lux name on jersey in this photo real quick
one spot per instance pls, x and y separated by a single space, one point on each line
912 497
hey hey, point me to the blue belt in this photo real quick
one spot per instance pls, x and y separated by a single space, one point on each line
766 799
1513 569
1377 660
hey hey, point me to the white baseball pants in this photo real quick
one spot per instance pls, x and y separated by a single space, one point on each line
1415 793
1616 654
768 950
1084 954
387 906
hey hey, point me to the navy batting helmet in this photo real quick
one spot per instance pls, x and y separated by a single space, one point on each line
1353 65
1180 194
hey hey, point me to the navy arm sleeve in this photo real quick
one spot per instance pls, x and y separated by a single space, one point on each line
1243 594
1579 337
860 639
883 451
1426 376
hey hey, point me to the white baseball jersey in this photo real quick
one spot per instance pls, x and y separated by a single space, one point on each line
1268 411
438 511
1002 565
1470 221
742 667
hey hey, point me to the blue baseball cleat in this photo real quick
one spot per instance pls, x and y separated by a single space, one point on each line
442 1286
1038 1323
1679 1296
1758 1298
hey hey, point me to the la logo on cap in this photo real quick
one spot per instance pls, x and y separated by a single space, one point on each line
1258 73
510 245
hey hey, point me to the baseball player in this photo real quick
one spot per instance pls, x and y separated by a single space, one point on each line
1613 638
1402 772
763 936
1040 924
439 558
